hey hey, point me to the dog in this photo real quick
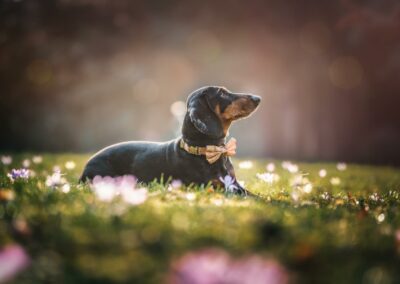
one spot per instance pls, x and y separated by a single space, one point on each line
199 156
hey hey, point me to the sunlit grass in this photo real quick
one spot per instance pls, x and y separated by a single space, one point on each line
326 223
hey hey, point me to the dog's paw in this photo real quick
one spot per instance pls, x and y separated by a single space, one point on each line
244 192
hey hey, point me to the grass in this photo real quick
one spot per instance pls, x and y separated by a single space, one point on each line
336 233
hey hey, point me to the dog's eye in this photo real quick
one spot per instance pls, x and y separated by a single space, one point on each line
224 95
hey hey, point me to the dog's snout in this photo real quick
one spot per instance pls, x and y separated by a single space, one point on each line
255 99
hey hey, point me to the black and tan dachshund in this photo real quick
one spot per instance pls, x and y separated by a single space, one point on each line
199 156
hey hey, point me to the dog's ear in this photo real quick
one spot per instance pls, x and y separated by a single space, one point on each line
203 116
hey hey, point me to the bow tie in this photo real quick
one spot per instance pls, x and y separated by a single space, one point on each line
212 152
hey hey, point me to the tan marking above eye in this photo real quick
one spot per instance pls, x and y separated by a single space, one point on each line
218 109
225 123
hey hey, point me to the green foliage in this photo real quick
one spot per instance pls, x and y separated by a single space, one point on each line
335 233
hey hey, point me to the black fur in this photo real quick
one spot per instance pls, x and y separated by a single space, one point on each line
149 160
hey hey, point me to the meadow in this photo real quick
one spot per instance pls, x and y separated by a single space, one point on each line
311 223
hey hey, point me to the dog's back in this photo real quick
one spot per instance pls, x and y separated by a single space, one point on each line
133 158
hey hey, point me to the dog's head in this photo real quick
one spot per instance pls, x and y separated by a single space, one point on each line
212 109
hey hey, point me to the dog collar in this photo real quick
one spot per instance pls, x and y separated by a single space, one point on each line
212 152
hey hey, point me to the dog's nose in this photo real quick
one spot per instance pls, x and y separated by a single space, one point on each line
255 99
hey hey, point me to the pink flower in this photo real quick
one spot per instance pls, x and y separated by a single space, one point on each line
397 235
13 259
106 188
6 160
134 196
203 267
256 270
215 266
176 184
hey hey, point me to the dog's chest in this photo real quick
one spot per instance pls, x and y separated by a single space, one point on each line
220 168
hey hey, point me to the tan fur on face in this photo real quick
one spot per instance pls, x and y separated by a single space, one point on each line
225 123
235 109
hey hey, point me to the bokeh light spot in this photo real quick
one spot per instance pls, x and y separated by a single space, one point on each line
315 37
146 91
345 72
39 72
178 108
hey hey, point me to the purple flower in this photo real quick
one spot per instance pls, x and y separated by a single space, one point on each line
13 259
229 183
215 266
134 196
176 184
18 174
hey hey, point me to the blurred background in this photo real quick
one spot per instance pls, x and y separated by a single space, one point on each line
77 75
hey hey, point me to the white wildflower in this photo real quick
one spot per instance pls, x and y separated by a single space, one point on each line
66 188
6 160
335 181
26 163
341 166
37 159
190 196
322 173
380 218
307 188
70 165
268 177
134 196
56 179
271 167
246 165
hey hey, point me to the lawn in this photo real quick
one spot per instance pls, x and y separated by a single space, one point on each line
312 223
